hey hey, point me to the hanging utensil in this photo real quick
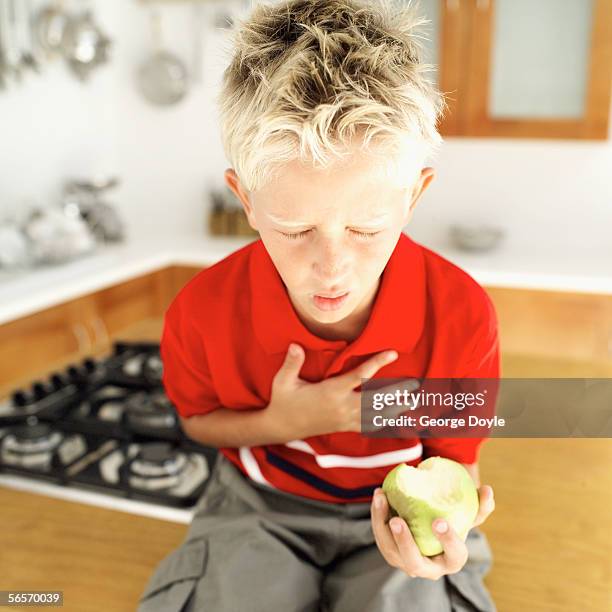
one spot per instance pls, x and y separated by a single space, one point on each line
3 62
162 78
29 48
84 45
22 21
11 52
49 27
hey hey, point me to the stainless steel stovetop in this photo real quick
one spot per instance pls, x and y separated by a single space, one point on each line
103 432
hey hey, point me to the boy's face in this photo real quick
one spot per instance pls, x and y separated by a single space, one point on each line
331 232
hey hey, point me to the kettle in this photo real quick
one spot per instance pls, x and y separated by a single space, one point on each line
55 237
82 199
13 246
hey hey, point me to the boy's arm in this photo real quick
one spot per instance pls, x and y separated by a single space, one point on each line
233 428
189 385
296 408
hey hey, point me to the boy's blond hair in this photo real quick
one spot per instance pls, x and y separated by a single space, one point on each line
306 76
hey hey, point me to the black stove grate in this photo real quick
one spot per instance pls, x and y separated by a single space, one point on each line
121 426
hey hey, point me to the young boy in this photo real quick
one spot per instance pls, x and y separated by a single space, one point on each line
327 119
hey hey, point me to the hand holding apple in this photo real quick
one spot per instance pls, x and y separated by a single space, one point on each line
437 505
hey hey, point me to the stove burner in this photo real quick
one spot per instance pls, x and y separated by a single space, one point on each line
32 432
155 466
153 367
109 391
156 452
32 438
151 410
147 365
104 425
106 403
110 411
133 365
35 445
158 459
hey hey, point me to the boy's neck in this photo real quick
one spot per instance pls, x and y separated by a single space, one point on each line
349 328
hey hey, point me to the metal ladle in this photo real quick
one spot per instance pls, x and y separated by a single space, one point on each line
11 54
84 45
24 19
4 66
49 27
162 78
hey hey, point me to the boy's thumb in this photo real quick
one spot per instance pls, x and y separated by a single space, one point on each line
293 361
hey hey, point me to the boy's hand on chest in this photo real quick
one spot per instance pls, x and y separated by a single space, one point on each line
301 409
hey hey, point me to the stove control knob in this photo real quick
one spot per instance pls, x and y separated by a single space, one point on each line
73 373
89 365
19 398
57 382
120 347
39 390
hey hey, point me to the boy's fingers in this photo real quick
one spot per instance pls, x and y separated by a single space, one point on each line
455 551
383 537
413 561
486 497
368 368
486 506
292 364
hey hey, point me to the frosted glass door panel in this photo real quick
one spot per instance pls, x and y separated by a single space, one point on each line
430 10
540 58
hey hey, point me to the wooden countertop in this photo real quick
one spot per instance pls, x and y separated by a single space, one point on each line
101 559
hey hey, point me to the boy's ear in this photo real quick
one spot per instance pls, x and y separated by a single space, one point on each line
233 182
427 175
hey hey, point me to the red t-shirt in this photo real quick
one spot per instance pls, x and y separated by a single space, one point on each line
227 332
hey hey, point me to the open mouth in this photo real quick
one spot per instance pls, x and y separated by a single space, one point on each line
326 302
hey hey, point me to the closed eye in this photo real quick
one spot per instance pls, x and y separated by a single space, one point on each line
302 234
296 235
365 235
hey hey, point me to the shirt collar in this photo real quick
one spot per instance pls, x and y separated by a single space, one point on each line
396 321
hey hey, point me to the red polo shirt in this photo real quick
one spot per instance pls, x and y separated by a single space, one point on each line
227 332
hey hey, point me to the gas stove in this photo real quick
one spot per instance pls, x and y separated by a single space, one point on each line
104 432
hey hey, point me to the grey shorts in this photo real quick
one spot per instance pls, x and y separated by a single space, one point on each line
251 548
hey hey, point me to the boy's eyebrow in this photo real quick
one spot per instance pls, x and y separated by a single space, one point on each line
286 222
290 223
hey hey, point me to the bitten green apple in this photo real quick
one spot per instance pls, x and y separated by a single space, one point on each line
437 488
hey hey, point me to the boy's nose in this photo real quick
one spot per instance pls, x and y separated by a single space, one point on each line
332 269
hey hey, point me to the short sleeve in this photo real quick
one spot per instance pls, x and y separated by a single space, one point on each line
186 375
484 362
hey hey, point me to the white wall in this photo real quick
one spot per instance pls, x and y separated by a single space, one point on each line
556 193
53 127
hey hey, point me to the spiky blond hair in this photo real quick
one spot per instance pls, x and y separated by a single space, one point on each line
307 76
